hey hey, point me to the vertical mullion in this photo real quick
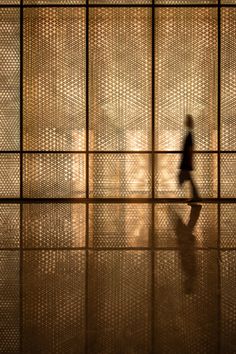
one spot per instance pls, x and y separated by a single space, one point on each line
87 175
219 277
219 95
21 181
218 175
152 243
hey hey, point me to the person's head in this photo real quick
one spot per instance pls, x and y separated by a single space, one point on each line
189 121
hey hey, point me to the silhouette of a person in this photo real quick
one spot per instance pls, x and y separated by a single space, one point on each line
186 165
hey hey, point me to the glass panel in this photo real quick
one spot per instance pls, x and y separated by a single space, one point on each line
186 76
54 225
228 301
54 301
9 176
120 175
228 225
204 176
54 79
119 302
177 224
9 303
228 78
10 81
9 225
120 85
186 301
228 175
54 175
54 2
119 225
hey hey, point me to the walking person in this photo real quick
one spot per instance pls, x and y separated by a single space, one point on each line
186 166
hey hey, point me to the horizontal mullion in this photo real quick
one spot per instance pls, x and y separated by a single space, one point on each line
116 152
110 248
116 5
114 200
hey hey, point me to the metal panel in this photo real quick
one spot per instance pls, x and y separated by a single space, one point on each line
10 79
186 76
204 174
186 2
186 301
9 175
120 79
228 225
54 301
54 79
228 301
120 175
9 304
53 2
54 175
119 302
179 223
124 2
228 78
9 225
119 225
228 175
54 225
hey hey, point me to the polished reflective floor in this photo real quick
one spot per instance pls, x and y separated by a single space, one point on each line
123 286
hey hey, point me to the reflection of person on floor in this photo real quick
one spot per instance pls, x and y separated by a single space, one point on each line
186 165
186 242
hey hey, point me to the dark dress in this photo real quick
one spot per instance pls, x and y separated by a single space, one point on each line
187 160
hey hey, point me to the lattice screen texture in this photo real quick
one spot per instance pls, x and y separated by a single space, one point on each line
228 225
120 175
54 2
228 302
9 225
204 175
120 85
228 175
119 302
9 83
54 225
54 175
228 2
54 301
125 2
186 78
185 2
228 79
54 79
9 2
9 175
170 217
9 304
186 285
119 225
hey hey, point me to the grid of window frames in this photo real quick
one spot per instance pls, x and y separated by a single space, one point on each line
93 99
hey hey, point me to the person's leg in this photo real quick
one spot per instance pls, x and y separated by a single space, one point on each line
181 177
194 188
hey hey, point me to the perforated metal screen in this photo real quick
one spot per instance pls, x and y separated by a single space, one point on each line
99 250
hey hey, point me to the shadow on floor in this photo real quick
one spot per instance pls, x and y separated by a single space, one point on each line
186 242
